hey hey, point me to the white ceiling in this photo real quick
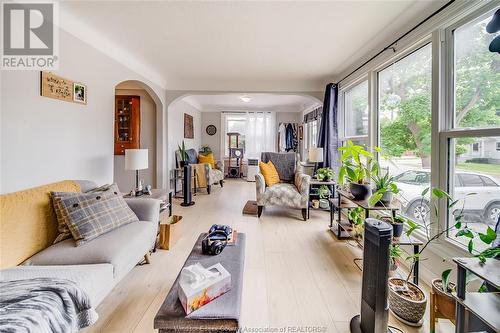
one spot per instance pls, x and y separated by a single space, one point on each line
257 102
241 45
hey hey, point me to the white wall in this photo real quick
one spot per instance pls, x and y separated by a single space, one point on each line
211 118
176 128
126 178
45 140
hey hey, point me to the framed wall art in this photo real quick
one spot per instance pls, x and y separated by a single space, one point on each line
188 126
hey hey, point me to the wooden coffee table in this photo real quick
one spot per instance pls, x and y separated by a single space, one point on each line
220 315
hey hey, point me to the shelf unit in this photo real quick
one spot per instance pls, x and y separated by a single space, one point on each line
127 123
483 306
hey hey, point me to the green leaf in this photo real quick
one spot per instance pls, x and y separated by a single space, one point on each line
458 225
439 193
489 237
465 233
375 197
425 191
470 246
445 279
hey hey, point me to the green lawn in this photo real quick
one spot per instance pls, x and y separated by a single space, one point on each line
493 169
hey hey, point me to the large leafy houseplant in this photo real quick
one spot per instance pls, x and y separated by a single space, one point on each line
406 299
325 174
355 169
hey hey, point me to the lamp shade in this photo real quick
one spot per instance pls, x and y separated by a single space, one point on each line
315 154
136 159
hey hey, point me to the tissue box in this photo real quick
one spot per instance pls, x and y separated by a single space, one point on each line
195 295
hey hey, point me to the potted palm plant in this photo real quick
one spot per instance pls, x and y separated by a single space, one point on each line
182 154
355 170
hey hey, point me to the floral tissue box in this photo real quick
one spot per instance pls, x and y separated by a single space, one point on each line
199 286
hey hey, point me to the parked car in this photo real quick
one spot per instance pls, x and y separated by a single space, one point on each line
484 205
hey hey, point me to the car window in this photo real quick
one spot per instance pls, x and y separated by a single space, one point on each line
471 180
488 182
413 177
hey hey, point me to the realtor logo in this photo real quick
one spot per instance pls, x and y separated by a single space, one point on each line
29 36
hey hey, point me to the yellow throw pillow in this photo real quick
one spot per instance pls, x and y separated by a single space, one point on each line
209 158
268 170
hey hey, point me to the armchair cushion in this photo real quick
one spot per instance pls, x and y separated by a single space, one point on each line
209 158
269 172
285 164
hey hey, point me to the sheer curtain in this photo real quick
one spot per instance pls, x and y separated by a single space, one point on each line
260 133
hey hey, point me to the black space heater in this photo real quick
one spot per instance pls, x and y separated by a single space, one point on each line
186 187
374 306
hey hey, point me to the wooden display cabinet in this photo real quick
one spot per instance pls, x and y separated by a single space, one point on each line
127 123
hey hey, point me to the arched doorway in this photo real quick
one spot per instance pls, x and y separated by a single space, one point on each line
150 117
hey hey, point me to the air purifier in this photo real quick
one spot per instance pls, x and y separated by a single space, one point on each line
374 291
252 169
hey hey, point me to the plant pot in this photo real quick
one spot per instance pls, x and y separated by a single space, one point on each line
444 303
360 191
409 306
324 204
315 204
397 229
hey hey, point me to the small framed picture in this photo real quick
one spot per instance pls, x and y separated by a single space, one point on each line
301 132
79 93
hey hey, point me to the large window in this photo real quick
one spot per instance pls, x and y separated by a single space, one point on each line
404 102
257 132
476 76
356 111
472 137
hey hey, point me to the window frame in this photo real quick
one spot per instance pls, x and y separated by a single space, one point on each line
343 137
448 131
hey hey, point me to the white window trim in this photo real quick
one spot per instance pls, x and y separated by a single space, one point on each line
433 32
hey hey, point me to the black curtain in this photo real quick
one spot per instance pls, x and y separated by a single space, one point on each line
328 131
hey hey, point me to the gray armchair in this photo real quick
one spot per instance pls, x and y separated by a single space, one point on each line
293 189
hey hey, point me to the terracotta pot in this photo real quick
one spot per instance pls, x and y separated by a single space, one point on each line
360 191
410 311
443 301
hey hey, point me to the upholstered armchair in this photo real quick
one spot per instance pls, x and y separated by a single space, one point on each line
206 175
293 189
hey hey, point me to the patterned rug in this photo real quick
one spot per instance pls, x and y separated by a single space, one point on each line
250 208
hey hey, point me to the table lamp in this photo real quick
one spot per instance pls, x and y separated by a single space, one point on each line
316 156
136 159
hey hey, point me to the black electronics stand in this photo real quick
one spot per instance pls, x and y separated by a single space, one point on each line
186 187
375 290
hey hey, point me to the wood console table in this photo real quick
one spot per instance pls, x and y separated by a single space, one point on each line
343 229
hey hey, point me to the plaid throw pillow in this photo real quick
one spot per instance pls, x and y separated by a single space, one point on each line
89 215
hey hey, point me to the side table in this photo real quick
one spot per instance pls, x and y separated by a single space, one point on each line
314 183
165 206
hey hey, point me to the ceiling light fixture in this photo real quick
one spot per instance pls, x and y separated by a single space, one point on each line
246 99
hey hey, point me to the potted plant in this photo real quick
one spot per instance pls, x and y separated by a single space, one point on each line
355 170
395 252
397 222
182 154
385 187
325 174
357 218
324 194
406 300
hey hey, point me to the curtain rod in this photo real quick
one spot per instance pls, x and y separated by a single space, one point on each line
397 40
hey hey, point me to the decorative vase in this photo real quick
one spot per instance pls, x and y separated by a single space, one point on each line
360 191
409 307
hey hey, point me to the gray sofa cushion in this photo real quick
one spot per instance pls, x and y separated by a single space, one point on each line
285 164
123 248
89 215
96 280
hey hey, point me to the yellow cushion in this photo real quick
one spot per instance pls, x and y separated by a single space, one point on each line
209 158
27 222
268 170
